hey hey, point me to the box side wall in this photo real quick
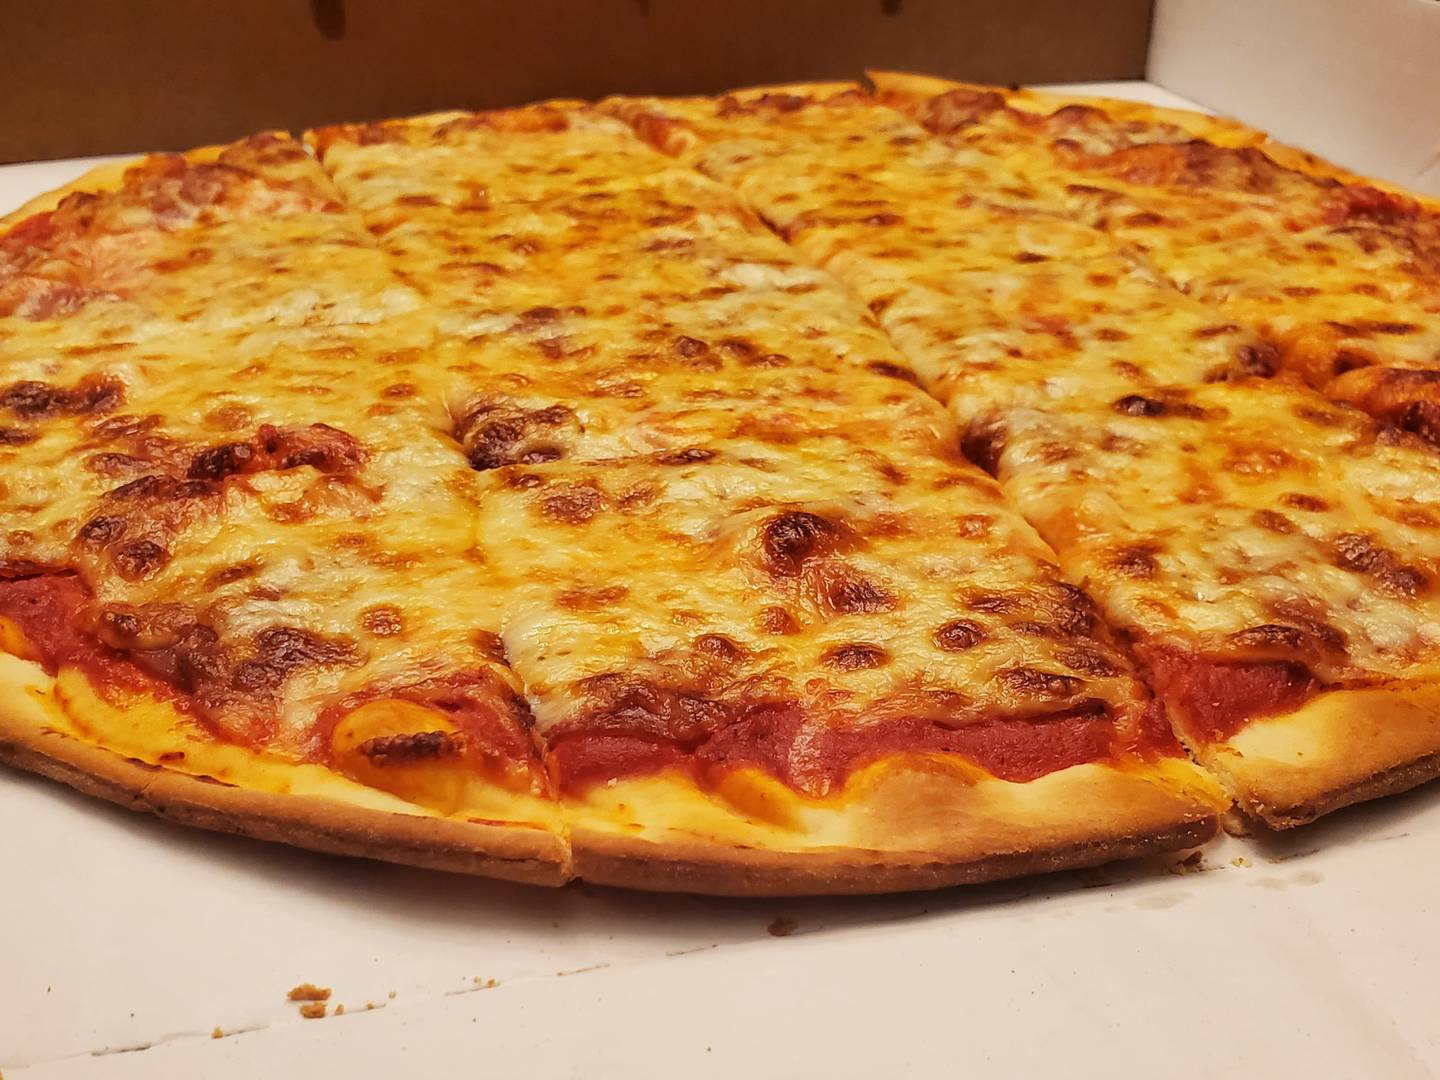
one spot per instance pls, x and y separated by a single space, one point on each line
88 78
1357 81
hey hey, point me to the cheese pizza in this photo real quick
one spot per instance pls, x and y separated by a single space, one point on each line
801 490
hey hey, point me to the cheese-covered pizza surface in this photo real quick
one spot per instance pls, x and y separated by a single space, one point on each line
807 489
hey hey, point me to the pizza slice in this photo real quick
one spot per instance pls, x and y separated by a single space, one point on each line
220 238
1270 559
208 585
789 687
1341 275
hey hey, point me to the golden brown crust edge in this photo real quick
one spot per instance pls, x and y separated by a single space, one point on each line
1340 748
1028 830
720 871
901 824
514 853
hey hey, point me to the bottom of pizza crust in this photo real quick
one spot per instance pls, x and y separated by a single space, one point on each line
908 823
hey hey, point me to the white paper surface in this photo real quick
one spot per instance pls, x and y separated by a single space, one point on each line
1313 952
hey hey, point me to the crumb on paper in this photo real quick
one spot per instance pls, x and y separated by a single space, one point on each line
1240 860
369 1006
392 995
782 927
308 992
485 983
1191 864
216 1033
340 1010
314 1010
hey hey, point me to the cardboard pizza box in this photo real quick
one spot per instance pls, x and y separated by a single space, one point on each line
129 948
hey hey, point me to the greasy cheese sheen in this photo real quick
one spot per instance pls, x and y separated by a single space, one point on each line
1236 519
629 306
512 403
1339 277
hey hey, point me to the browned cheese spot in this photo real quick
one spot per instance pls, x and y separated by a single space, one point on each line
32 400
1298 500
572 505
1135 560
1272 521
957 635
1362 555
855 656
1136 405
791 538
1032 682
777 621
844 592
592 599
719 647
382 620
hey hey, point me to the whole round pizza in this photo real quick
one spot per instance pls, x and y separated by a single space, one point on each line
809 489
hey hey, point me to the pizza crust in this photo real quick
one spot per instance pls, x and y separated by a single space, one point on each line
32 737
910 823
902 824
1341 747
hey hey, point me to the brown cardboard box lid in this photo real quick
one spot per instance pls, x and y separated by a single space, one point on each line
86 77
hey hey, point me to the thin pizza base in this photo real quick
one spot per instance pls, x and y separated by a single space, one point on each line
953 824
235 791
918 822
1340 748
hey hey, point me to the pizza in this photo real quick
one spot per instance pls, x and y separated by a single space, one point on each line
806 489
